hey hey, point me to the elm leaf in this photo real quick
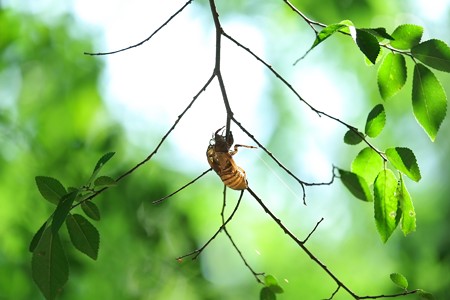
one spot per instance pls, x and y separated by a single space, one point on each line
352 138
385 204
50 188
356 185
37 237
399 280
408 215
91 210
103 160
367 164
83 234
323 35
429 100
375 121
272 283
405 161
391 75
62 210
267 294
49 266
406 36
103 181
368 44
434 53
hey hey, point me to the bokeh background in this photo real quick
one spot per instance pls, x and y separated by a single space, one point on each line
61 110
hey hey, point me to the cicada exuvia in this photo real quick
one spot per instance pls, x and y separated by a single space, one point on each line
220 158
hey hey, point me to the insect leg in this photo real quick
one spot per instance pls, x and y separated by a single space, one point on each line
233 152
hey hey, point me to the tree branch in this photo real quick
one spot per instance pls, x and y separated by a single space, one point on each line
289 86
147 39
197 252
181 188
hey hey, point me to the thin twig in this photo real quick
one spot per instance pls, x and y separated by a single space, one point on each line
147 39
391 295
222 214
197 252
181 188
334 293
217 71
301 182
157 147
289 86
300 243
312 231
304 17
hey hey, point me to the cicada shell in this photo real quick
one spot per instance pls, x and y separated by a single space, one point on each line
220 158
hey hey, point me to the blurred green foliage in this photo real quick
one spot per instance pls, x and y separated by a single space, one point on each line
53 122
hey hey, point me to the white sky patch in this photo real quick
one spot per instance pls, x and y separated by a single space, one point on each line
433 9
147 87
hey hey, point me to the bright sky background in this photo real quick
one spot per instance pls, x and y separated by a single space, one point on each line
146 88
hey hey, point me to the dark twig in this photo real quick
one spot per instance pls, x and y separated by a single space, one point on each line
255 274
310 22
170 130
181 188
217 72
300 243
197 252
222 214
334 293
301 182
312 231
390 296
147 39
289 86
157 147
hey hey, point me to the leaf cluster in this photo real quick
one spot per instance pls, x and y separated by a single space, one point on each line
370 178
50 268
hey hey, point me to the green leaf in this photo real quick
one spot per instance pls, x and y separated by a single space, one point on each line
379 32
272 283
37 237
103 181
375 121
323 35
50 269
349 28
367 164
391 75
327 32
50 188
356 185
103 160
406 36
425 295
352 138
385 204
84 235
434 53
399 280
405 161
62 210
408 218
429 100
368 44
91 210
267 294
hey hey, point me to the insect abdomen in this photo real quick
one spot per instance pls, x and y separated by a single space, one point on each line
234 178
